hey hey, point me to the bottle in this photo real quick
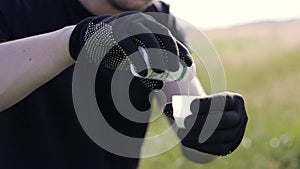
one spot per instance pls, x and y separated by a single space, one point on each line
183 73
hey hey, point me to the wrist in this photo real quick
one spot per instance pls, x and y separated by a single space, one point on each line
64 37
76 37
197 156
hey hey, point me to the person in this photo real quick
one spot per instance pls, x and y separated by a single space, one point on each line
40 43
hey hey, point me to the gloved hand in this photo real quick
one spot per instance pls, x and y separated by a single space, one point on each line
227 135
115 40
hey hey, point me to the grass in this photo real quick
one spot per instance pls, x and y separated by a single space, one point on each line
268 76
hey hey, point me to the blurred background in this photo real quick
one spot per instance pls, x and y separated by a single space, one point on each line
258 42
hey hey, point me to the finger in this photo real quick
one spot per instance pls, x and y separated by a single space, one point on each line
144 86
154 53
201 106
184 54
146 39
229 119
114 58
232 100
167 42
130 49
121 29
222 149
217 137
214 103
168 110
141 101
214 149
240 103
152 84
182 133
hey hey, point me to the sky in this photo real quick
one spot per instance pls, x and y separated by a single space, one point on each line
223 13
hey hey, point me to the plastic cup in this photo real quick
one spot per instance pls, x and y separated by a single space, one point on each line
181 108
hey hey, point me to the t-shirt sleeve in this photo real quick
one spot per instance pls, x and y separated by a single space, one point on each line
166 18
4 36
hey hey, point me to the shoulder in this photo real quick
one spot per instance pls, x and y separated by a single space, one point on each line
23 18
6 14
159 6
161 12
10 8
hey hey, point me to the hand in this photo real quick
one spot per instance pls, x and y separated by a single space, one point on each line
115 40
228 111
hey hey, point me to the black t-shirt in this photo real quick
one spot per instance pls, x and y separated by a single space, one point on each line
42 130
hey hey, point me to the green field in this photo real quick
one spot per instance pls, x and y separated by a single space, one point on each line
262 62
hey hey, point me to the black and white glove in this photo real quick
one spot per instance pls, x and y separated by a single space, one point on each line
227 135
116 42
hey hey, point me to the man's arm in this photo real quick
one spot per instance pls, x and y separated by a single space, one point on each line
28 63
193 88
228 110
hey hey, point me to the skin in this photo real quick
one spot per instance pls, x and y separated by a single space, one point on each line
126 5
105 7
28 63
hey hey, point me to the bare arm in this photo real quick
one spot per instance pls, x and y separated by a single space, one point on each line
28 63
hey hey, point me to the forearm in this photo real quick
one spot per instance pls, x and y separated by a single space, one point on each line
28 63
193 88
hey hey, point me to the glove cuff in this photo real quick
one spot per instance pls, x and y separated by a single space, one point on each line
76 40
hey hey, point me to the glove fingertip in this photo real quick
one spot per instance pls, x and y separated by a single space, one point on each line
201 105
182 133
152 84
168 110
184 54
